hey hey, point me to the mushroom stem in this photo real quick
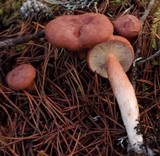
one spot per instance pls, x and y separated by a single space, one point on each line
125 95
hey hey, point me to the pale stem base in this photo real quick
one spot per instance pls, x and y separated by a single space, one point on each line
127 101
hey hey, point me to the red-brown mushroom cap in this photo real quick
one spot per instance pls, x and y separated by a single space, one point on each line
117 45
21 77
127 26
75 32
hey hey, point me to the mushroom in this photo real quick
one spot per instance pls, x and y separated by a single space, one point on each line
111 59
21 77
127 26
75 32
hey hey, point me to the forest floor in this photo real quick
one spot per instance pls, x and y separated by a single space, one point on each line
73 111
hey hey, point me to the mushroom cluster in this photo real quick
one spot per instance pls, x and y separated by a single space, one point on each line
110 56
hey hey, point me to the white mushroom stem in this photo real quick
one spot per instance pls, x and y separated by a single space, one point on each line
127 101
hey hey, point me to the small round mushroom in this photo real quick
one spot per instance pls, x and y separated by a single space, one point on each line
21 77
75 32
127 26
111 59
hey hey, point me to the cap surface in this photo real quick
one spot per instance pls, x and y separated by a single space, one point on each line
21 77
116 45
76 32
127 25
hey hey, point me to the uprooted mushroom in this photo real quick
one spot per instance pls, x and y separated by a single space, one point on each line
111 59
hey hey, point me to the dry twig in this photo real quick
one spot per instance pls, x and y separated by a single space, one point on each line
19 40
155 55
137 53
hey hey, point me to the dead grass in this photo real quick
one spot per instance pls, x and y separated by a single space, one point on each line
72 111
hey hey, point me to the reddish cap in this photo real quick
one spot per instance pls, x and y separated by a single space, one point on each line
76 32
21 77
116 45
127 26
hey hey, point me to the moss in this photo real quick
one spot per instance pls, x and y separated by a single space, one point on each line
154 28
10 10
19 48
16 5
1 11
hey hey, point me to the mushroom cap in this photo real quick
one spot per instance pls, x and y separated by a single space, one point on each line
117 45
75 32
21 77
127 26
